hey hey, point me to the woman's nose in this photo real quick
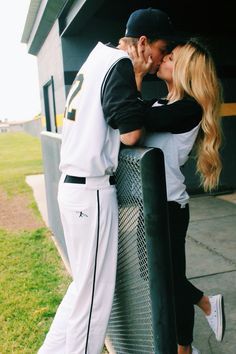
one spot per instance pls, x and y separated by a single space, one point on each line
164 58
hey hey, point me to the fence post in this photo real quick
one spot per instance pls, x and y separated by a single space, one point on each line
158 250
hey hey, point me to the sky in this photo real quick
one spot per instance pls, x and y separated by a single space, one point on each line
19 85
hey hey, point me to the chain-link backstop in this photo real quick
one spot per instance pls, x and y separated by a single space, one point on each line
142 319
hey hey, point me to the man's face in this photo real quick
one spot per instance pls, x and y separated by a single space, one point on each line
157 50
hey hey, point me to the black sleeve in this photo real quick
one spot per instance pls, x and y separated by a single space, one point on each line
178 117
122 107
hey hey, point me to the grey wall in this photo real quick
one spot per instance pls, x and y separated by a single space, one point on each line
228 151
50 64
33 127
51 157
76 48
224 52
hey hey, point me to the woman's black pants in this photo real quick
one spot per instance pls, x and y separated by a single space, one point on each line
185 293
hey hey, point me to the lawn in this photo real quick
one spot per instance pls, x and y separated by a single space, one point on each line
20 155
32 276
32 284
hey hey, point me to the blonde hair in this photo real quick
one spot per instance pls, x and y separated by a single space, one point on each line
195 75
126 41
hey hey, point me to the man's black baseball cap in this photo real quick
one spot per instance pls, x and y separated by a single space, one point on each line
149 22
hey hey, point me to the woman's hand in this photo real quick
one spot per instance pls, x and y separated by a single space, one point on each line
142 62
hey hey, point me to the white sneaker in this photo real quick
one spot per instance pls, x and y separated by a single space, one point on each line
216 319
195 350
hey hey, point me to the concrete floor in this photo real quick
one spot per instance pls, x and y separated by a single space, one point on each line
211 259
211 265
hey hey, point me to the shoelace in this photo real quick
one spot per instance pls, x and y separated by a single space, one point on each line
212 317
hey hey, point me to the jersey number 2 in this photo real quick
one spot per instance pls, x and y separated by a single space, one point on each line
70 113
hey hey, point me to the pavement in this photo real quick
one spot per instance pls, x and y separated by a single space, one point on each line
37 183
211 259
211 265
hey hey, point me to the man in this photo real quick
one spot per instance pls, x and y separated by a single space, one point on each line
102 109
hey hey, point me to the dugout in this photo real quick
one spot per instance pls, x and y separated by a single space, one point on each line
61 34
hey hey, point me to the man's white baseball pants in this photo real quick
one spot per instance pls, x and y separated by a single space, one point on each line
89 215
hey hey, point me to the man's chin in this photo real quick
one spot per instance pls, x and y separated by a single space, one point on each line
154 71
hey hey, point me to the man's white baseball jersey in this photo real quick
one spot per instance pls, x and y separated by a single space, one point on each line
88 203
90 146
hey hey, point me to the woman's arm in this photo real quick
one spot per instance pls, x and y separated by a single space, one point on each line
140 64
177 117
131 138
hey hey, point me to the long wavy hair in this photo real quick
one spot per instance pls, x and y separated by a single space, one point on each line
195 75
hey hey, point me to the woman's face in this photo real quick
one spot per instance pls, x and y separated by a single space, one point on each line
155 49
165 71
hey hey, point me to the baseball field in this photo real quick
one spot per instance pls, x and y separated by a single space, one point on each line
32 276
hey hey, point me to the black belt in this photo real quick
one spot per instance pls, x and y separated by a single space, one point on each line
82 180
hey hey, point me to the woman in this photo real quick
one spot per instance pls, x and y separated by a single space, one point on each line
188 116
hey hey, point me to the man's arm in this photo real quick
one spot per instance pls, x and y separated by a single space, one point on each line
131 138
122 107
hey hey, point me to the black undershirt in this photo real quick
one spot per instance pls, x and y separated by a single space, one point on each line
125 110
121 107
178 117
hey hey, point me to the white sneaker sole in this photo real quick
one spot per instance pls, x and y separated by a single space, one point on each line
195 350
221 316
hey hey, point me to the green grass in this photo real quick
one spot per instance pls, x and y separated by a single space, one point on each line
32 285
20 155
32 276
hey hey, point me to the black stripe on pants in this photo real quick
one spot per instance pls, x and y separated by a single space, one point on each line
94 275
185 293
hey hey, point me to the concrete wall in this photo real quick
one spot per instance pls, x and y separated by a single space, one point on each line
50 65
51 157
33 127
227 181
76 48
